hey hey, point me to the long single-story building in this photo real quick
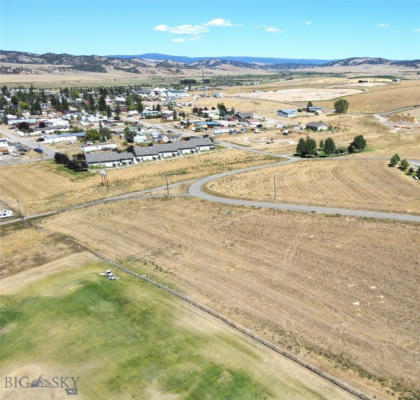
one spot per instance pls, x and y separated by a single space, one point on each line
167 150
109 159
65 137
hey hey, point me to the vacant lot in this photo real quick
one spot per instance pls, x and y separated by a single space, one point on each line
29 248
285 276
354 183
45 186
155 347
384 98
300 94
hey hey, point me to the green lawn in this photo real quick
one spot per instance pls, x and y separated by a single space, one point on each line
127 339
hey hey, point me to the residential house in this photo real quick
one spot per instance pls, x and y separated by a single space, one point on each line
317 126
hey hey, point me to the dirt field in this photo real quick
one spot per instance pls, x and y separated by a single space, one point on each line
283 275
156 346
355 183
42 186
301 94
28 248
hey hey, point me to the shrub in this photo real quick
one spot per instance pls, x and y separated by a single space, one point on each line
404 165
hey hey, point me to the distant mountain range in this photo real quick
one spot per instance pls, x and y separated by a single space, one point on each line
249 60
15 62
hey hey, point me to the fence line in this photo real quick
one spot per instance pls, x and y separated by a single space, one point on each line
237 327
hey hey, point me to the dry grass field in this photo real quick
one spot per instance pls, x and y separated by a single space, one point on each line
383 98
29 248
349 183
42 186
342 304
61 301
381 141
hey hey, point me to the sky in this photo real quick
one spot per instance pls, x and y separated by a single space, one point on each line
195 28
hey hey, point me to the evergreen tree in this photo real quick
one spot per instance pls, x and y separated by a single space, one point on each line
404 165
395 159
321 144
102 103
329 147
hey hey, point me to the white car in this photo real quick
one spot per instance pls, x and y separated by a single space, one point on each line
6 213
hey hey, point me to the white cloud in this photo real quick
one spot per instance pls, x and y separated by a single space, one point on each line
382 25
308 22
162 28
273 29
193 31
219 22
416 30
178 40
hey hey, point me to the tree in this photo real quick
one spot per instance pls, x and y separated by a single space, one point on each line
306 147
329 147
129 135
117 111
174 116
404 165
102 103
418 172
222 109
321 144
309 104
158 107
341 106
5 120
359 143
140 107
64 104
35 108
301 147
395 159
108 111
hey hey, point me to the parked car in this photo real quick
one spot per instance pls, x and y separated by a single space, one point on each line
6 213
38 150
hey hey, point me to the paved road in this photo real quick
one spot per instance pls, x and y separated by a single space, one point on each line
29 142
196 190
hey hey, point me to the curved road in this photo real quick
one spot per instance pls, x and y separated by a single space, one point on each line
196 190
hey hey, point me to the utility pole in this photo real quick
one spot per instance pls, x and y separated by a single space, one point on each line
202 79
167 185
21 213
275 185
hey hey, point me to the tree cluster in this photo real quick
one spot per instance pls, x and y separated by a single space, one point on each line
76 163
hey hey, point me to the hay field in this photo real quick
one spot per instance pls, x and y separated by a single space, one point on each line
301 94
67 321
46 186
283 275
383 98
349 183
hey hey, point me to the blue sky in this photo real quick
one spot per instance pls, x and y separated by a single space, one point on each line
284 29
